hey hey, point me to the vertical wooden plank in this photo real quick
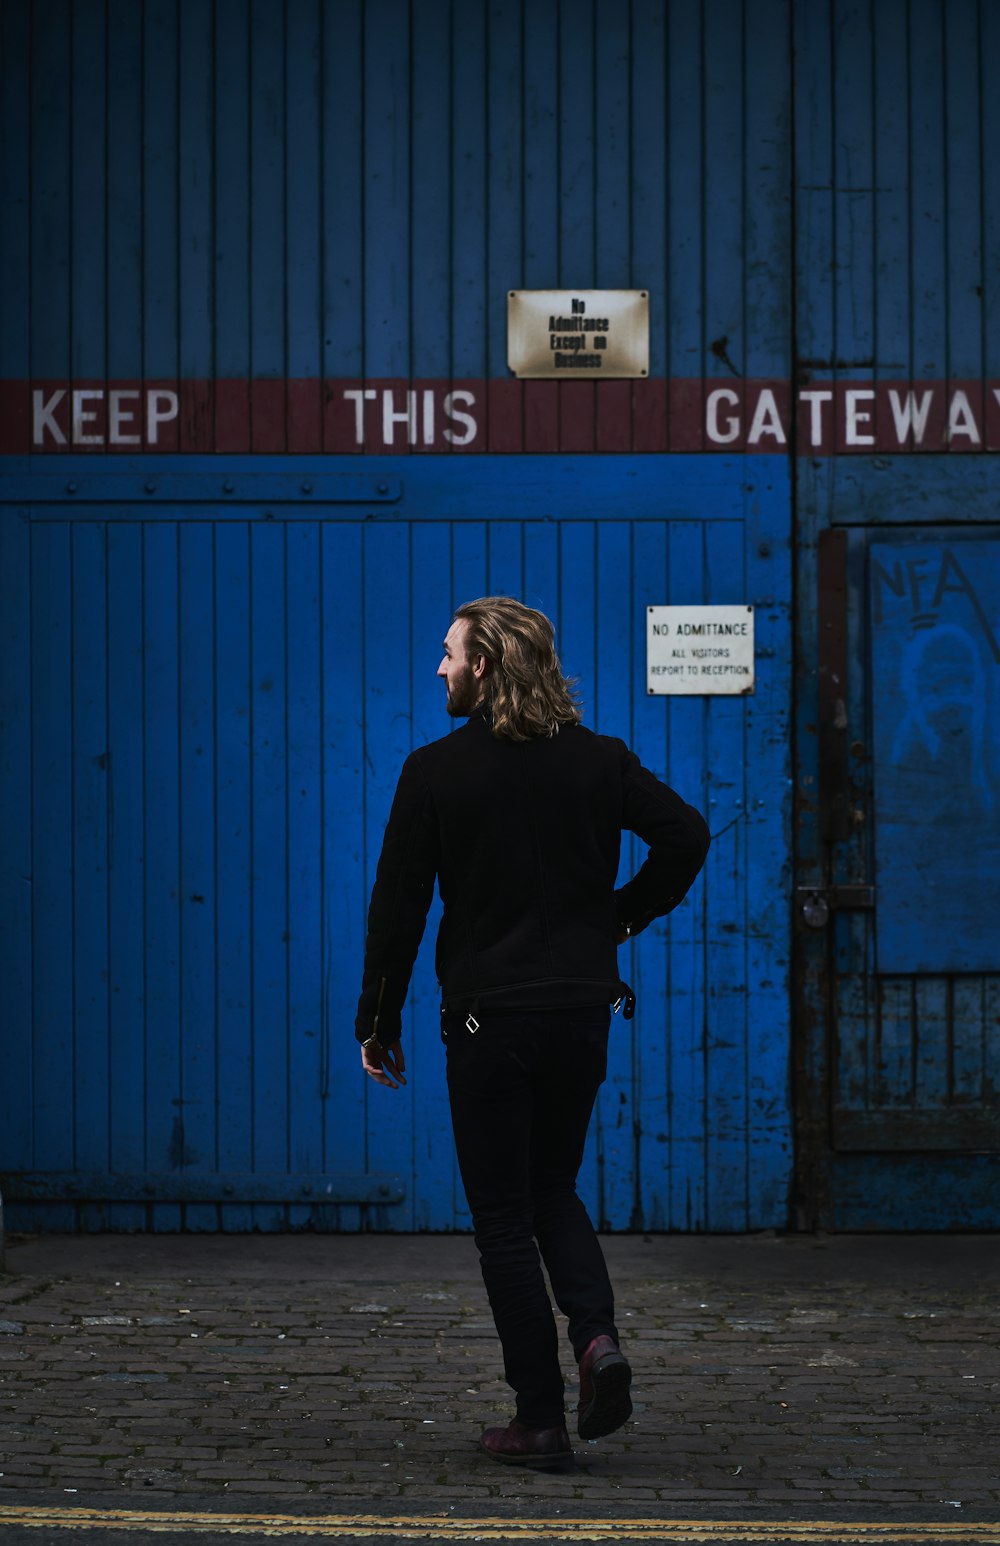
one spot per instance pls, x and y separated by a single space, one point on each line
577 244
52 856
687 936
126 864
989 48
723 318
963 180
431 193
386 298
506 144
991 1041
855 1022
269 858
469 318
814 178
305 897
613 204
125 202
161 755
160 216
303 244
231 194
767 778
15 201
342 224
48 295
649 953
931 1038
198 904
90 99
387 631
343 878
648 211
469 561
927 191
268 364
686 172
725 882
853 174
16 968
541 210
968 1041
767 154
89 710
196 267
613 611
233 850
505 557
434 1161
891 164
540 585
577 639
891 1079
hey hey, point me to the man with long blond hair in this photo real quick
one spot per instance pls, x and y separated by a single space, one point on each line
519 815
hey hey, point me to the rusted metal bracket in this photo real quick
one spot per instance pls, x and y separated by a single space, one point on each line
72 1186
834 768
818 902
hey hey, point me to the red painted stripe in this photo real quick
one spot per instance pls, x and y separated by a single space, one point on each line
615 415
577 416
541 416
401 417
649 416
504 400
232 417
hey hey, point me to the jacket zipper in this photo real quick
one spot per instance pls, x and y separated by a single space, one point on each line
378 1004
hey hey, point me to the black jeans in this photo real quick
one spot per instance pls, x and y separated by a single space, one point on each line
522 1090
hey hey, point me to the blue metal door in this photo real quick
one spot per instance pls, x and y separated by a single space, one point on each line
206 707
909 800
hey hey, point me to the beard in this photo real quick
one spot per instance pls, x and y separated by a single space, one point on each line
463 696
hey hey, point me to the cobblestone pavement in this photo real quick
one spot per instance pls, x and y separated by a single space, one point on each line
805 1374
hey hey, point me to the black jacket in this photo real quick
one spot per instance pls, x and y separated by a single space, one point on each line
524 839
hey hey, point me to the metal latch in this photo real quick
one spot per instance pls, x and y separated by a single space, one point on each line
817 902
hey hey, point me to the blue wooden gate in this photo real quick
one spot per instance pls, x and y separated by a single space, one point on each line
206 699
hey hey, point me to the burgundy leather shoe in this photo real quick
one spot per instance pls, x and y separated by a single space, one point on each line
605 1378
518 1445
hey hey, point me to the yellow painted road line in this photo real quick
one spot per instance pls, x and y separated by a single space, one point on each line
422 1527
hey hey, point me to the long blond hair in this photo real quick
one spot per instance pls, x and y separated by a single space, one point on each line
525 689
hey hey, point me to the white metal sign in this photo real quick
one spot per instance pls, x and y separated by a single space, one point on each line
699 649
578 335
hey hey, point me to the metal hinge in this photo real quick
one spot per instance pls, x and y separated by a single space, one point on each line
818 902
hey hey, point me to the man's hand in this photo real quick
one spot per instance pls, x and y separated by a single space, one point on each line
384 1064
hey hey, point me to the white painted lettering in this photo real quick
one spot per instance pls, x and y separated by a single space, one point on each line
722 436
857 416
816 397
390 418
428 416
465 419
161 407
359 398
44 417
961 420
910 414
82 415
118 415
766 420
